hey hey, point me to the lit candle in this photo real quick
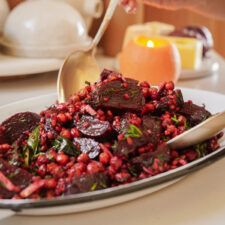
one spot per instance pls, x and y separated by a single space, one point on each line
150 59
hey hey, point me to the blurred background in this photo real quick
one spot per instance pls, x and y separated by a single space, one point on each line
179 18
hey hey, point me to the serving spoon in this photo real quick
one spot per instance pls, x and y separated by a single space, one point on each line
81 65
200 132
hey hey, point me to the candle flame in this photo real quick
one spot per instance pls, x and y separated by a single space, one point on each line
150 44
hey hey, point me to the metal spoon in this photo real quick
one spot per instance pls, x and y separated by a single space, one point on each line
81 66
199 133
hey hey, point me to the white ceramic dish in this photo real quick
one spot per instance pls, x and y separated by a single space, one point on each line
208 67
111 196
11 66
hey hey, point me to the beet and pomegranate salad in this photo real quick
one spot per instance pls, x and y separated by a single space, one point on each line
112 132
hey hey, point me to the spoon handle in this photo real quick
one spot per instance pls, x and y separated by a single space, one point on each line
108 15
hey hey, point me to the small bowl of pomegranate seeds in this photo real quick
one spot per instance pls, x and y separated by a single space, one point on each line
105 145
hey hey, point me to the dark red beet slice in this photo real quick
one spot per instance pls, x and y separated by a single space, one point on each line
124 122
49 128
19 177
3 137
153 127
146 159
17 124
110 95
124 148
176 99
194 113
93 128
86 183
88 146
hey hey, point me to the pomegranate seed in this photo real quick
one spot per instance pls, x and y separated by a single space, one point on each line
116 162
83 157
62 117
93 167
126 96
129 141
125 85
62 159
122 177
106 99
50 183
144 84
120 137
66 133
74 132
191 155
42 169
145 92
80 166
104 158
42 159
169 85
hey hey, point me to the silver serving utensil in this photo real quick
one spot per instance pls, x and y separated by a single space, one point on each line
199 133
81 66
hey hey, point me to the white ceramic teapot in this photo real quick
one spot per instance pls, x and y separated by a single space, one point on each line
44 29
4 11
89 9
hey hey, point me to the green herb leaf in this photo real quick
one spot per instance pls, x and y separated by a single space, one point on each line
175 119
33 141
103 185
94 186
114 147
26 156
201 149
62 144
50 157
133 132
13 174
132 171
133 93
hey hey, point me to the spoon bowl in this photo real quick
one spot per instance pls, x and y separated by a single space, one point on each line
199 133
81 66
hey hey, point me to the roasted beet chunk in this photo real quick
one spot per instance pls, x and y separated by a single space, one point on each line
147 159
87 182
121 124
92 127
88 146
19 123
124 147
119 95
19 177
153 127
132 138
194 113
170 102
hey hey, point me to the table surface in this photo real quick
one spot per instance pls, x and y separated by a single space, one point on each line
179 204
